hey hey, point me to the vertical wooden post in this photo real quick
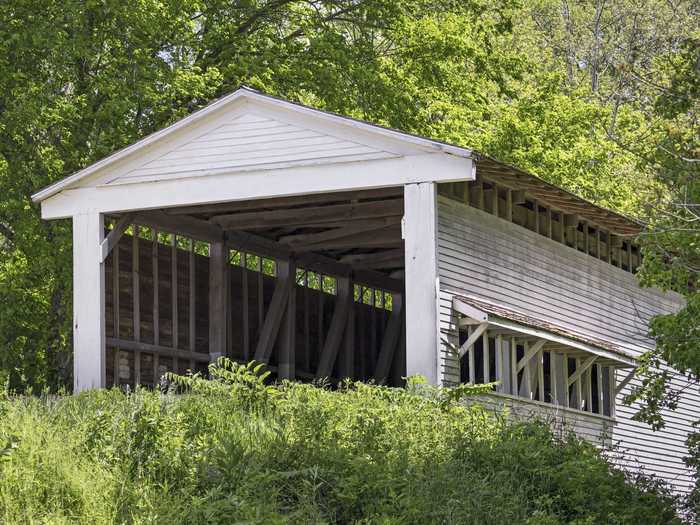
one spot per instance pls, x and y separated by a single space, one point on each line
509 205
553 374
217 300
307 324
422 284
88 302
287 357
565 367
612 386
485 352
156 305
116 313
192 293
173 290
578 386
347 360
599 389
136 298
472 360
320 317
513 366
245 306
494 199
499 363
540 375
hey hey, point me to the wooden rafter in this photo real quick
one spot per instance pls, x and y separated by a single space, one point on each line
320 216
380 238
353 228
285 202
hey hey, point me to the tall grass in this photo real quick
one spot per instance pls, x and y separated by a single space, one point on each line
236 450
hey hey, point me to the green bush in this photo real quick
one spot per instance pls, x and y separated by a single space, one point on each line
237 450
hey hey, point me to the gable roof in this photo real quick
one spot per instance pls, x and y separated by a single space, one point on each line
246 93
502 173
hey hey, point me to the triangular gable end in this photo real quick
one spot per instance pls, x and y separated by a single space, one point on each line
248 131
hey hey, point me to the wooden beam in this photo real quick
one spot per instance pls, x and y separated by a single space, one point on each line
378 260
518 197
529 354
385 237
622 384
136 299
249 242
157 349
273 318
473 338
287 354
352 228
310 216
585 365
390 340
218 266
284 202
192 291
156 286
329 353
183 225
175 313
88 302
113 237
116 312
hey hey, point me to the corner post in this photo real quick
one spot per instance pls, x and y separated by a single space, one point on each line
422 323
89 346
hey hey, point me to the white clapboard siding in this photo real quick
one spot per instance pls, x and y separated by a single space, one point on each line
489 258
592 427
251 141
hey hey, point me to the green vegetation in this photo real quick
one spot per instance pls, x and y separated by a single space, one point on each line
600 97
237 450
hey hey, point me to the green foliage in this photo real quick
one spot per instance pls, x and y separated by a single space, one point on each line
236 449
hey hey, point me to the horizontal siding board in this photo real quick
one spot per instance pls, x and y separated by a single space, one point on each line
485 254
494 260
503 239
254 141
460 259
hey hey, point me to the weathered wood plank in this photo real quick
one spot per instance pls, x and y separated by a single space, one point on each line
310 216
390 340
273 319
332 341
113 237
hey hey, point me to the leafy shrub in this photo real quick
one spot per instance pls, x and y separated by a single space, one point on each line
235 449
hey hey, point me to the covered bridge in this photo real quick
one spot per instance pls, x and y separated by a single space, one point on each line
326 247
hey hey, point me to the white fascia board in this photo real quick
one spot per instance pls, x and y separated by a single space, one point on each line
243 185
247 95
